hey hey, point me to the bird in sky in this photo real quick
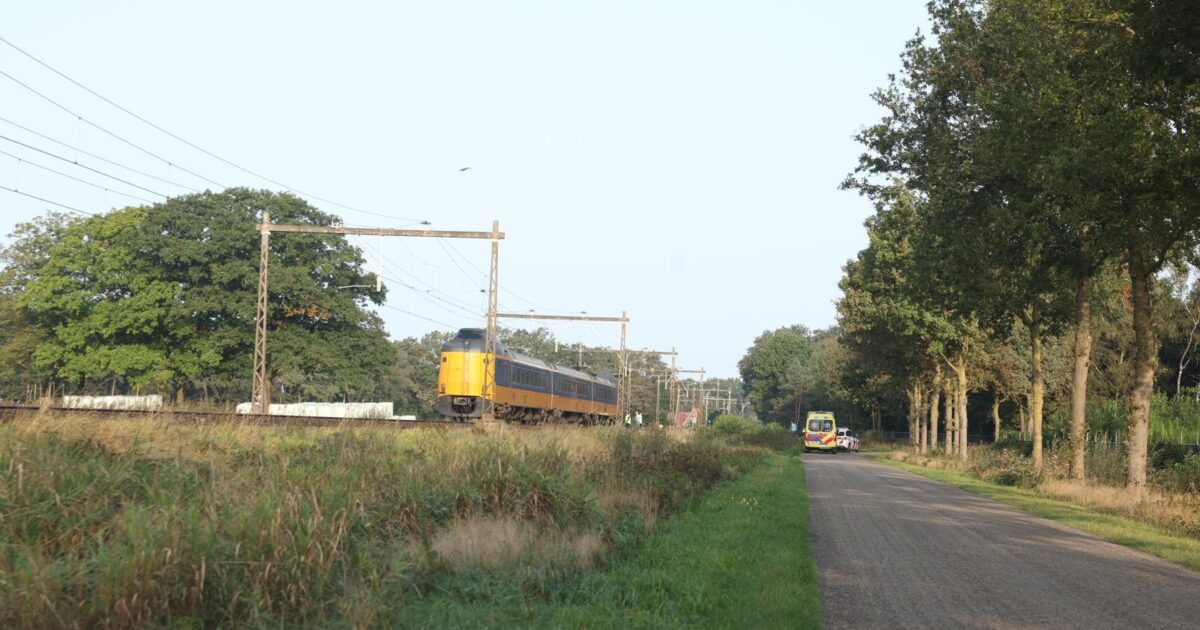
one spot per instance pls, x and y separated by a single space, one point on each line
465 168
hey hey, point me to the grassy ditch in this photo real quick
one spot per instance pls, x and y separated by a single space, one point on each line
1088 508
133 523
740 559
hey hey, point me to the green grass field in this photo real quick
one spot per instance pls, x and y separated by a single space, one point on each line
740 559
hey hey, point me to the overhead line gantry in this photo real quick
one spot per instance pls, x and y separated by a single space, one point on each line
260 393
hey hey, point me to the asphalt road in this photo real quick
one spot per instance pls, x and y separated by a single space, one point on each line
895 550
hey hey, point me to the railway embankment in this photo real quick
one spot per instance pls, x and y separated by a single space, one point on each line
134 522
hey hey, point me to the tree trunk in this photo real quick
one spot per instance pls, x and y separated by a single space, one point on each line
1024 419
960 371
1037 393
996 417
949 409
1184 357
1079 382
914 414
934 394
1145 359
920 419
921 435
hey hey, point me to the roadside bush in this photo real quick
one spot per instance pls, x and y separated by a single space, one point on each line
1013 441
1106 464
1181 476
728 424
1164 454
1003 467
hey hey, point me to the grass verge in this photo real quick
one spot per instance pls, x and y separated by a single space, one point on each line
1120 529
136 523
741 558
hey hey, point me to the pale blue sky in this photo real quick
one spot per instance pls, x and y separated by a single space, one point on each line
676 160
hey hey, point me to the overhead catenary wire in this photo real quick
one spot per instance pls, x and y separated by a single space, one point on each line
502 288
449 299
44 200
83 166
427 295
110 133
69 176
187 142
429 298
98 157
458 266
412 314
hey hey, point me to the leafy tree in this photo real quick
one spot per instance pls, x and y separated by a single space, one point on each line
768 369
163 298
21 334
412 380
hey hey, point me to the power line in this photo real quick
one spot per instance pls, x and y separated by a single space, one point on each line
464 271
106 131
450 326
188 143
429 298
505 289
98 157
82 181
457 303
61 205
84 166
427 295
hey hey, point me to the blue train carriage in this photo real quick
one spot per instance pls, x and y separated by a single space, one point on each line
526 389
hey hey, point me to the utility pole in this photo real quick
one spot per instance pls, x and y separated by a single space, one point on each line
623 390
260 389
657 399
623 320
260 394
700 372
489 342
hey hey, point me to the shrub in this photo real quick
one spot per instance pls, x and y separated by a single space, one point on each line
1164 454
728 424
1013 441
1004 467
1181 476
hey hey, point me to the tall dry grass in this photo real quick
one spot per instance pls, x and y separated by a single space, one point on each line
124 523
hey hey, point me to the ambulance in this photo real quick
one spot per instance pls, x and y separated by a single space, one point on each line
820 432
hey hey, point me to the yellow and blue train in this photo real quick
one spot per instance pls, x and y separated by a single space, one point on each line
524 389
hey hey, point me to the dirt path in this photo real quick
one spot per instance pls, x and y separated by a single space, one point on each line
897 550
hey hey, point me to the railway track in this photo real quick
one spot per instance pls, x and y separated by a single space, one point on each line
10 412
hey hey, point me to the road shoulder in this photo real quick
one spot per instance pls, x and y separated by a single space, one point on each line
1115 528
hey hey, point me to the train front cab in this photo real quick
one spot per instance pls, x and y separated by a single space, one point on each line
461 374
